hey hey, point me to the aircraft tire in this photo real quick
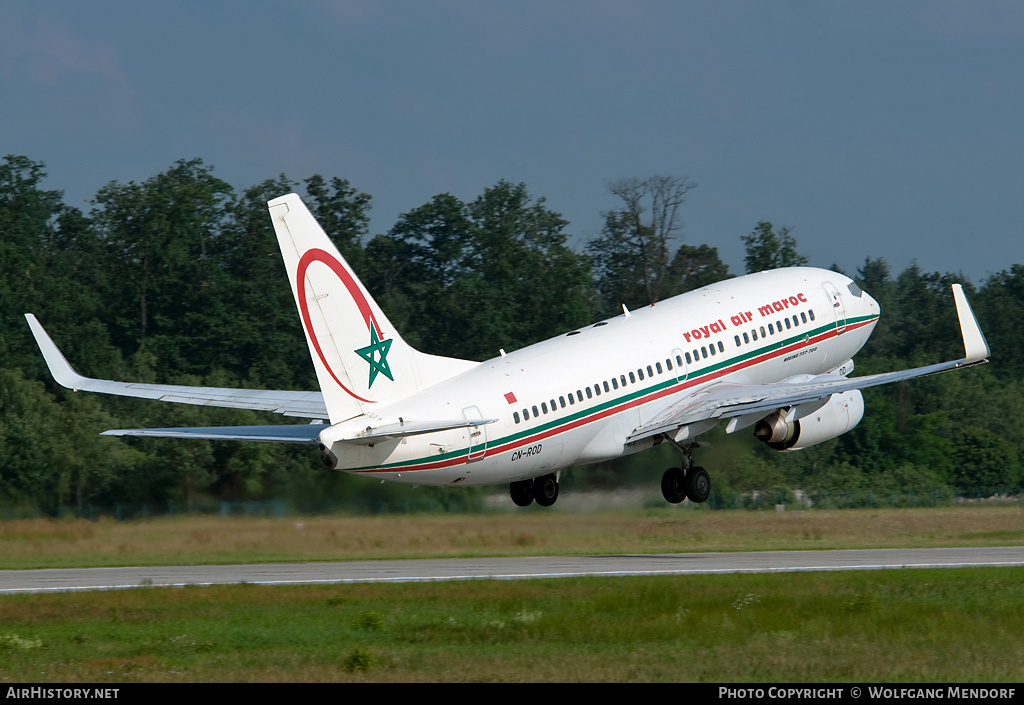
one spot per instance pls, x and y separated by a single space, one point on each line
673 485
545 490
698 485
522 492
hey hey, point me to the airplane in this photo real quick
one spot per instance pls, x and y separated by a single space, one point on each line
772 350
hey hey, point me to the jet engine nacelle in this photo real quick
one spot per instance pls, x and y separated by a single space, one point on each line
328 457
812 426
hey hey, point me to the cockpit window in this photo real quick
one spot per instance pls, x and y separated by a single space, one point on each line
855 290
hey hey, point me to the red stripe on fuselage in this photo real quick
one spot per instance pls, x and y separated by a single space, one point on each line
685 384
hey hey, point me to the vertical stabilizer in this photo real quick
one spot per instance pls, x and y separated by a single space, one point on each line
361 361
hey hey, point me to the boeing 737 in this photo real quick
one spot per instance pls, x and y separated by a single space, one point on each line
772 350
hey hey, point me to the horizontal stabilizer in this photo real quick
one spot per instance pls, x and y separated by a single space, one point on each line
293 433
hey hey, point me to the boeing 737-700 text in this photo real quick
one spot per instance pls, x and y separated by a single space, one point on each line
772 350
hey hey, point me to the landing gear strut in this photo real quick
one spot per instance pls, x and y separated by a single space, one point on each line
544 489
677 484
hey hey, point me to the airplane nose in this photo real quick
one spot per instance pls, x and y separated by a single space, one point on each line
872 305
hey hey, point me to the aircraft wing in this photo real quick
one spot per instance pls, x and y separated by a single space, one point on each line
749 403
308 405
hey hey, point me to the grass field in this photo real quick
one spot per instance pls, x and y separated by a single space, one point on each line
184 540
950 625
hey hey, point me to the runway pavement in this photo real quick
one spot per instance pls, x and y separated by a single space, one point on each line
63 579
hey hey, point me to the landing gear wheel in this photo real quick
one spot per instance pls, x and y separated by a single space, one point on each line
673 485
698 485
522 492
545 490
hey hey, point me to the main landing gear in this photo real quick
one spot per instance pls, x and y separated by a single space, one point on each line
677 484
543 489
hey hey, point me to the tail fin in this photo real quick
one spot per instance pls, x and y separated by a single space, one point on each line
361 361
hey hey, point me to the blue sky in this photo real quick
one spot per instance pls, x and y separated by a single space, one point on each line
873 129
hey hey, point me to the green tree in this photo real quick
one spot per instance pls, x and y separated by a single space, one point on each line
343 212
161 235
1000 309
768 249
985 464
632 255
414 267
694 267
465 280
525 284
875 277
254 330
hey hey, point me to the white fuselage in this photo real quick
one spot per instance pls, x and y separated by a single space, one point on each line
575 399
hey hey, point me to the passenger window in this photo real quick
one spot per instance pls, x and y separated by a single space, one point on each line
689 360
679 361
650 372
622 380
746 338
787 324
712 348
803 317
579 395
753 334
640 374
657 366
515 416
721 346
552 402
763 334
544 406
771 329
737 341
668 364
632 378
605 385
615 383
704 352
535 414
526 415
572 399
811 314
589 394
796 321
561 401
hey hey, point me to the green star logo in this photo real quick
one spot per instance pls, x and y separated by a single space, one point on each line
370 352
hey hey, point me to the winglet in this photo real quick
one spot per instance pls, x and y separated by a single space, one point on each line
58 364
975 347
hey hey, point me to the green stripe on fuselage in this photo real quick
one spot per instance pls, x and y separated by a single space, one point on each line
625 398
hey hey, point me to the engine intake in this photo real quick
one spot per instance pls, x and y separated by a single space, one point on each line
835 417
